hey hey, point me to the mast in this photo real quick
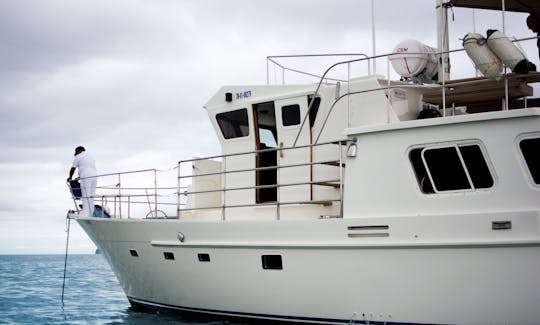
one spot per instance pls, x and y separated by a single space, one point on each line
442 40
373 36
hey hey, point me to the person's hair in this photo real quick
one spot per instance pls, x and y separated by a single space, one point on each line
79 148
533 22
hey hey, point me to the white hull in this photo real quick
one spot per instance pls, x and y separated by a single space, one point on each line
417 277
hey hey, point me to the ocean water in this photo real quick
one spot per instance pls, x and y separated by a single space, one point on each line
31 292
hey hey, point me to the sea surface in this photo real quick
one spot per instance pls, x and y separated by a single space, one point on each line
31 293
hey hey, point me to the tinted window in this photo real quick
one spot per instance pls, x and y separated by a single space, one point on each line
313 110
446 169
267 139
272 262
290 115
420 171
477 166
233 124
450 168
530 148
204 257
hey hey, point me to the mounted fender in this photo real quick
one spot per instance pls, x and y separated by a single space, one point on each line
484 59
508 52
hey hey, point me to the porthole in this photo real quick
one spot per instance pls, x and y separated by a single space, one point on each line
168 255
203 257
272 262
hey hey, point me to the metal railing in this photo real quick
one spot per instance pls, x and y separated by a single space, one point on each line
443 86
247 179
123 195
273 59
120 195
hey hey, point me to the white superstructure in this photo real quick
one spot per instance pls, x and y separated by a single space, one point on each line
334 203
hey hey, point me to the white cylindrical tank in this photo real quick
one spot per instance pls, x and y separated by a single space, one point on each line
484 59
412 58
507 51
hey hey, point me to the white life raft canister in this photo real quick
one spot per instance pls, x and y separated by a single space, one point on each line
412 58
484 59
508 52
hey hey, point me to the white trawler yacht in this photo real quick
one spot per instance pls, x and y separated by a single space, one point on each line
334 203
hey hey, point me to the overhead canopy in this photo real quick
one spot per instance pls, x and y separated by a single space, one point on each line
530 6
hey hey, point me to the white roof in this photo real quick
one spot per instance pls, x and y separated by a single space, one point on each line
530 6
255 94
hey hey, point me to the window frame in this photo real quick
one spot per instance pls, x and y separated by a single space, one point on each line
272 262
222 135
463 166
299 116
456 146
523 161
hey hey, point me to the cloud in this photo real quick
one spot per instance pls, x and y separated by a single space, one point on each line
41 35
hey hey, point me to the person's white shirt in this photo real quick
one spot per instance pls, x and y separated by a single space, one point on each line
85 165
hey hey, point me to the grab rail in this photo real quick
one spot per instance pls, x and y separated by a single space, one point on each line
126 197
121 196
336 181
444 86
272 59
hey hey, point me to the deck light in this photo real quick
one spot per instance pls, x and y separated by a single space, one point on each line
351 148
181 237
228 97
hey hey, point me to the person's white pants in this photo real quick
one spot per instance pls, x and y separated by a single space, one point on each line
88 191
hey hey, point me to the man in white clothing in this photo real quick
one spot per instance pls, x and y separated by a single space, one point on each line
87 172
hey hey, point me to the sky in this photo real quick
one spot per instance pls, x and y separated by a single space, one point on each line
128 80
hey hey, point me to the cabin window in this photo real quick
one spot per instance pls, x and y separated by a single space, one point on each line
290 115
168 255
272 262
203 257
233 124
267 139
452 168
530 148
314 109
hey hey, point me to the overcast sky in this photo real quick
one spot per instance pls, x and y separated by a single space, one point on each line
128 79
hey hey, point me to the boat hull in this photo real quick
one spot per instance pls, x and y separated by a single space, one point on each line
351 275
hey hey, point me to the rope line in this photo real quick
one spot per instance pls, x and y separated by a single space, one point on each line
68 222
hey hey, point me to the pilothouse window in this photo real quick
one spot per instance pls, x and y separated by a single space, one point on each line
233 124
290 115
314 109
530 148
451 168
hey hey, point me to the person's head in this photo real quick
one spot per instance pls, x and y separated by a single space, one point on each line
533 22
78 150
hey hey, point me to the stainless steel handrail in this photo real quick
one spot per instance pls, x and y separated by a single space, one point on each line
338 161
124 195
317 92
257 169
443 86
272 203
129 196
272 58
253 152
